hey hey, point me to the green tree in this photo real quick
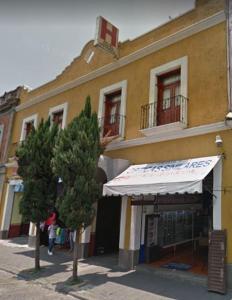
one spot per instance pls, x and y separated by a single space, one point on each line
75 160
40 184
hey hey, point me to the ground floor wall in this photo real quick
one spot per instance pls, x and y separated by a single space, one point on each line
6 211
6 196
101 237
130 221
138 244
11 221
193 147
90 239
9 180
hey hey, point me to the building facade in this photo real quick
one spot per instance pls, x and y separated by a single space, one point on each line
8 102
165 97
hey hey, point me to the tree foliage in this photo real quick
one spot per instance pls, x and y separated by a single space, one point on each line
40 183
76 156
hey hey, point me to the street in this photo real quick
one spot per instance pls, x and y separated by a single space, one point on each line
101 278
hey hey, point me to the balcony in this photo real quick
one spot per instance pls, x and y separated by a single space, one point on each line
170 115
112 125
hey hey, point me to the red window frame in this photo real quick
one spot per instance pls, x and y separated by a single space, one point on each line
28 128
112 113
57 118
168 109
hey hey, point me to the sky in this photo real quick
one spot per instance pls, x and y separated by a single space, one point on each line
39 38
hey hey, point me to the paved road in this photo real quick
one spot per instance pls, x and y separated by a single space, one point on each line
103 280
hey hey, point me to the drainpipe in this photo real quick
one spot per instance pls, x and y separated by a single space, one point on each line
228 12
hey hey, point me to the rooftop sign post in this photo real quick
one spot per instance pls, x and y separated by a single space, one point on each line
106 36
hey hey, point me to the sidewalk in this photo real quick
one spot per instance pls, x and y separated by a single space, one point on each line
102 279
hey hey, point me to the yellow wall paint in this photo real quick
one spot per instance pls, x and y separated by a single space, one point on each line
78 66
207 84
203 145
2 203
207 93
10 173
198 146
16 217
203 11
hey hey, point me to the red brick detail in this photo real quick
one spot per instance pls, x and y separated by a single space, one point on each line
18 229
14 230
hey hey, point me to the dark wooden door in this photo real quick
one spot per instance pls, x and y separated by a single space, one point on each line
168 106
112 114
108 225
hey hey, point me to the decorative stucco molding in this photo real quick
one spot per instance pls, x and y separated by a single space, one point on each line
169 135
153 47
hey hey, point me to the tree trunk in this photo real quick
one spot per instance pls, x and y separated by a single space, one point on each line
37 247
75 256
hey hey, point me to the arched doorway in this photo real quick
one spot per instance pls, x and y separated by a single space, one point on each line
108 221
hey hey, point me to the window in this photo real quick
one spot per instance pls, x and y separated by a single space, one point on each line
57 118
112 108
58 114
28 124
112 114
168 94
28 128
168 106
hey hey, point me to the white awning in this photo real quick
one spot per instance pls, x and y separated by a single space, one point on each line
170 177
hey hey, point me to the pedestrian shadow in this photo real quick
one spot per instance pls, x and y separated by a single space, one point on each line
54 265
59 257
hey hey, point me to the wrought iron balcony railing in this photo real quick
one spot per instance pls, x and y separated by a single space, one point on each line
112 125
171 110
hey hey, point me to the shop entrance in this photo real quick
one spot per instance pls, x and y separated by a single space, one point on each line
176 233
17 226
108 225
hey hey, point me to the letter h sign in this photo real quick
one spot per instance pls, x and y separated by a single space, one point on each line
106 36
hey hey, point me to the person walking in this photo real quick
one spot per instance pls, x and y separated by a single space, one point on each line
52 237
53 215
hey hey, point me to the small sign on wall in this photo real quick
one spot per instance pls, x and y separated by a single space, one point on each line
107 36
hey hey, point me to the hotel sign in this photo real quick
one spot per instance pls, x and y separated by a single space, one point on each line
107 36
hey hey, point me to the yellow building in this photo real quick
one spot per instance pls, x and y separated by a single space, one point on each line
12 225
165 97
